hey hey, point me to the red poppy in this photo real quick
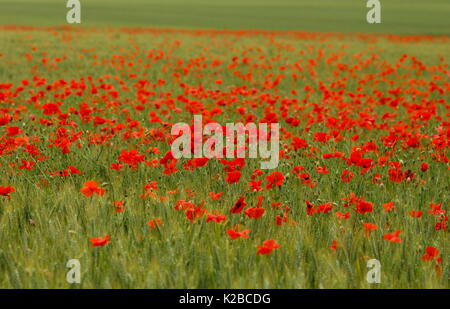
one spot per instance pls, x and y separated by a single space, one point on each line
344 216
116 166
267 247
13 131
322 170
238 206
215 196
6 191
442 224
235 235
310 209
396 174
424 167
91 187
275 180
299 143
393 237
255 185
363 206
324 208
321 137
28 165
119 205
369 227
436 209
215 218
377 179
334 245
73 170
99 241
153 223
347 176
388 207
132 158
195 212
254 213
51 109
152 185
430 253
415 213
233 177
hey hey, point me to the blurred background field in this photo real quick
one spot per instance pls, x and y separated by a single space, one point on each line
398 16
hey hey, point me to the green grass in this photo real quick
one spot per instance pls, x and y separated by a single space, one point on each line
398 16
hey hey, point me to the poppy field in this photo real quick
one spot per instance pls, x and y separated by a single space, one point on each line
87 171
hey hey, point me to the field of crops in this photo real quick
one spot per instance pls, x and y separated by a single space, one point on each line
87 172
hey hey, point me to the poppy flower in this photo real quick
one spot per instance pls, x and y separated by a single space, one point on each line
215 196
275 180
235 235
5 119
333 155
200 162
369 227
238 206
436 209
393 237
6 191
73 170
299 143
424 167
233 177
51 109
116 166
415 213
119 205
442 224
254 213
334 245
153 223
279 220
91 187
99 241
388 207
13 131
267 247
377 179
310 209
321 137
396 175
430 253
132 158
256 173
324 208
322 170
195 212
347 176
215 218
28 165
344 216
363 206
195 163
169 162
255 185
152 185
